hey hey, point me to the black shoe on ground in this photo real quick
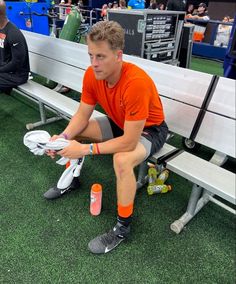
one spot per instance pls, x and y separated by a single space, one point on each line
110 240
7 91
55 192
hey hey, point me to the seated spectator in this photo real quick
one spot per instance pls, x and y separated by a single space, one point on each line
190 9
176 5
152 2
202 13
104 12
69 3
136 4
110 5
122 4
223 33
81 4
115 5
65 8
14 58
200 26
161 7
153 5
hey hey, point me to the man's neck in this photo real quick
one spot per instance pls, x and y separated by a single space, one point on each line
3 23
111 82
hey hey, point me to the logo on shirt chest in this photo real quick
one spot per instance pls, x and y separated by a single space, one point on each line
2 40
132 113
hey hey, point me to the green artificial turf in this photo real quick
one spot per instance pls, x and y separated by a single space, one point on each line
46 241
207 66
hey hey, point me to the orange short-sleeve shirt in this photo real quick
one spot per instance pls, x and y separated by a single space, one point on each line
134 97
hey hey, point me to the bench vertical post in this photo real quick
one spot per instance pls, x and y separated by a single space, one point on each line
142 175
42 112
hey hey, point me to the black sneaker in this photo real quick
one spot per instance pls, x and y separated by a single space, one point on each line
110 240
55 192
7 91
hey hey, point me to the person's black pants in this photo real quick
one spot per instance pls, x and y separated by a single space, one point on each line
11 80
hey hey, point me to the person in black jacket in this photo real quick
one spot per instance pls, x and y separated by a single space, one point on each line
14 58
176 5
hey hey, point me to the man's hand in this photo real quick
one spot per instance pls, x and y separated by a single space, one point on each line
52 153
75 150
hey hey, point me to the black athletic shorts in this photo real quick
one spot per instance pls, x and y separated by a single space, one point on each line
152 138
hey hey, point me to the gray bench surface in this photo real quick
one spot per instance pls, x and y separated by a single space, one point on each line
56 101
207 175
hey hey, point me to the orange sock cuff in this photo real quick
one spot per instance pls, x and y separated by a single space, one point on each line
125 211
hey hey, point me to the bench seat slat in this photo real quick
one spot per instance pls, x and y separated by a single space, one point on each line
207 175
55 100
167 148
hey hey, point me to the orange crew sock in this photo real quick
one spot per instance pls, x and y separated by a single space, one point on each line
125 211
125 214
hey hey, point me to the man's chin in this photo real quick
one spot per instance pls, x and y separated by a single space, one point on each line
99 76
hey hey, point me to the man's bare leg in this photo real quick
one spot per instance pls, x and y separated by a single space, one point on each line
124 164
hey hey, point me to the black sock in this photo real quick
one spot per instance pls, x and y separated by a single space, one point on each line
124 221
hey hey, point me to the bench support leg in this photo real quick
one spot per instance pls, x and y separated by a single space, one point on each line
198 198
142 175
44 120
178 225
195 204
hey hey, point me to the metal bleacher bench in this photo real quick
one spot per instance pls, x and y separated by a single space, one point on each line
60 61
197 106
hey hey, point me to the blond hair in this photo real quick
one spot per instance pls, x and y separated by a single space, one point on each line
109 31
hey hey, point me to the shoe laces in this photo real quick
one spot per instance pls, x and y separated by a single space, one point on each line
109 237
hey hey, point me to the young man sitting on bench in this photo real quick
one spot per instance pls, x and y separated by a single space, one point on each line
133 129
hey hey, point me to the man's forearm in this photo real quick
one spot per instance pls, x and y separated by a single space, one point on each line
118 144
75 127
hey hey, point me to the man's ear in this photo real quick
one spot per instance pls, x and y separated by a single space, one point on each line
119 55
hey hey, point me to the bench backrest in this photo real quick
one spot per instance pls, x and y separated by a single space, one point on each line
57 60
57 71
174 82
71 53
218 127
223 100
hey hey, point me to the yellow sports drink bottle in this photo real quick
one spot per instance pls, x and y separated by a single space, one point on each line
162 188
152 175
163 176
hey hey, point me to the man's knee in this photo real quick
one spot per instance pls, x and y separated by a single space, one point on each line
122 163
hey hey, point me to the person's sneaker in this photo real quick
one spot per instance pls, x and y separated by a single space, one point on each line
55 192
109 240
7 91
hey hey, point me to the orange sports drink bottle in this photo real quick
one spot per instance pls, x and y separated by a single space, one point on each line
96 199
